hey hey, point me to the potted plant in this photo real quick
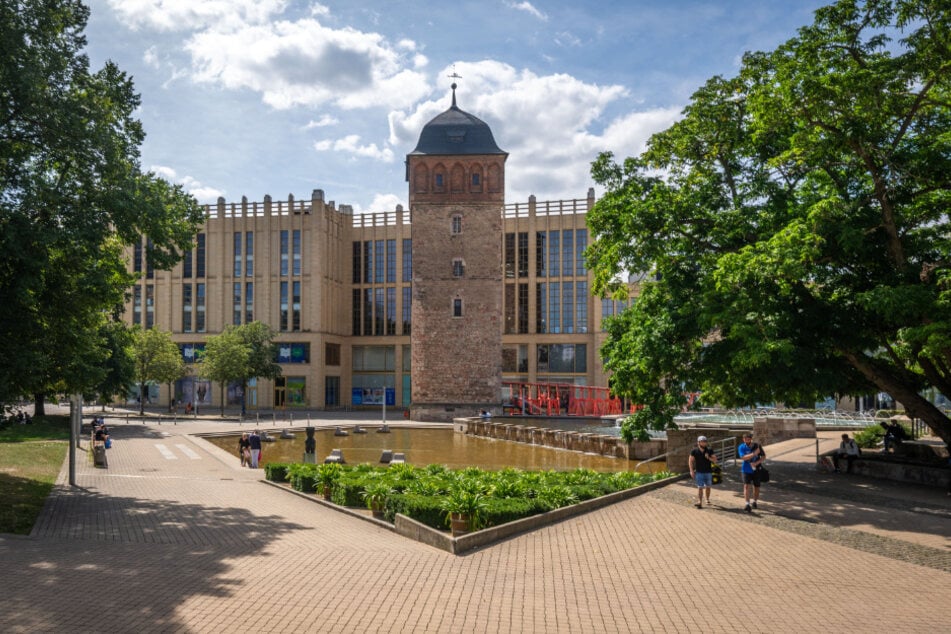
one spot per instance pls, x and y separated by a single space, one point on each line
327 476
375 494
464 511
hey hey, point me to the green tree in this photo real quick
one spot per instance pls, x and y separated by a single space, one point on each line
227 359
157 358
72 196
793 224
259 338
119 366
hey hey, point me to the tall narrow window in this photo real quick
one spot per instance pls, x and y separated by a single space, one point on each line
510 322
540 254
368 311
391 311
378 315
284 254
236 304
249 253
237 254
510 255
523 308
199 308
458 268
541 309
568 307
355 309
378 266
456 225
457 307
367 262
523 254
407 260
200 255
296 252
296 308
567 249
554 254
390 261
581 243
187 308
284 291
187 265
149 270
356 263
581 307
149 305
248 302
137 257
407 310
554 308
137 305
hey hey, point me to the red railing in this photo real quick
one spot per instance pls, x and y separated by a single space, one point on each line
559 399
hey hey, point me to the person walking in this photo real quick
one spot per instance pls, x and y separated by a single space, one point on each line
255 442
244 450
849 450
701 462
751 456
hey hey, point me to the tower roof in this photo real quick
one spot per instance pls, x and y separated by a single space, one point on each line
456 132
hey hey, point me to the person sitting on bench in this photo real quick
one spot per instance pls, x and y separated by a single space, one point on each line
848 450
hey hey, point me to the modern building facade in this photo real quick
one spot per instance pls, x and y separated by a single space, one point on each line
430 308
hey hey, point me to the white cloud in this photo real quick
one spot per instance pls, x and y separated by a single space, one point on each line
552 126
529 8
382 202
322 122
187 15
305 63
351 145
192 186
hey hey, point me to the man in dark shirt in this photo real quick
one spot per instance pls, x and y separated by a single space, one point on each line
701 462
255 440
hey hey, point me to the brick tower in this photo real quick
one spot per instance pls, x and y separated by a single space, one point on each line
456 179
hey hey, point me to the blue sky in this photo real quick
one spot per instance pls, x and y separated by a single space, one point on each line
254 97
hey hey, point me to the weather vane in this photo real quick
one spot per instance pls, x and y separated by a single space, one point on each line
454 77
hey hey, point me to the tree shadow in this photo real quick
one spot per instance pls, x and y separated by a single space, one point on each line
102 563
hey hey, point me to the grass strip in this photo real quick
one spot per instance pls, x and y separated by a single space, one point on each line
30 459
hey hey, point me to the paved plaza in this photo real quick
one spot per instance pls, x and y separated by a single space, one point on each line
176 537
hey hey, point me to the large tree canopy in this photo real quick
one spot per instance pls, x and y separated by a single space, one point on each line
794 224
72 195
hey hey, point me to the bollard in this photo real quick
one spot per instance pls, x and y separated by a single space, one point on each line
175 421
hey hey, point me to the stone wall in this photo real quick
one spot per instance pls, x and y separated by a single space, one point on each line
772 429
601 444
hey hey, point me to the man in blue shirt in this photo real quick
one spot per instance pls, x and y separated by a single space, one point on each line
751 456
255 441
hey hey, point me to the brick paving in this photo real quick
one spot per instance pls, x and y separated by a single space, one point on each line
198 544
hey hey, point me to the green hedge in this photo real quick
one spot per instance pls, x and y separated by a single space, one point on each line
276 471
422 508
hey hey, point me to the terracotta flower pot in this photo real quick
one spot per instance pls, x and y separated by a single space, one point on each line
459 523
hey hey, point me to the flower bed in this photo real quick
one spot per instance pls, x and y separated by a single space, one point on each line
432 494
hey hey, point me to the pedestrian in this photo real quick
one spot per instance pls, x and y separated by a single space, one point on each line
244 450
701 462
751 456
254 441
849 450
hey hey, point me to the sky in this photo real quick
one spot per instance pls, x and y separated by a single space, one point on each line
256 97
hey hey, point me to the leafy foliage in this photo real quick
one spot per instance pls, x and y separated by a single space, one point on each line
792 228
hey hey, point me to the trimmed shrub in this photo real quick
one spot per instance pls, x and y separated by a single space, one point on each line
276 471
303 477
425 509
503 510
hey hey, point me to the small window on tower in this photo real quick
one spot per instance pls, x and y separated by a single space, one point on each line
456 224
438 180
475 180
457 307
458 268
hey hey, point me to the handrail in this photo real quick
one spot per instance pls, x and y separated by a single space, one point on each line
724 448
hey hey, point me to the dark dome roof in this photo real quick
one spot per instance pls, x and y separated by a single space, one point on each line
456 132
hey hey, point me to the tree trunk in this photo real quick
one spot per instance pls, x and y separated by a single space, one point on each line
39 404
141 399
222 384
915 405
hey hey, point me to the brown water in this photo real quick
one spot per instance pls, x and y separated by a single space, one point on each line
429 446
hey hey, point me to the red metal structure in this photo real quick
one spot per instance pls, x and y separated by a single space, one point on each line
558 399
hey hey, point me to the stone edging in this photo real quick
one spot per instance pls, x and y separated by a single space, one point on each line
410 528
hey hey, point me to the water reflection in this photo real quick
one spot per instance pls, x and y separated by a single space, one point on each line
429 446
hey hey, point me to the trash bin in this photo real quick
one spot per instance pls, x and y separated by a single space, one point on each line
99 457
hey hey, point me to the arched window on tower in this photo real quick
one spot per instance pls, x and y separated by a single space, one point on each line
457 307
439 179
458 178
421 179
458 267
475 182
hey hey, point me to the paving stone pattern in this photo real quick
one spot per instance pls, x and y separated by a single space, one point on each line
159 544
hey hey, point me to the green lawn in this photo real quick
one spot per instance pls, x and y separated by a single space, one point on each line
30 459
